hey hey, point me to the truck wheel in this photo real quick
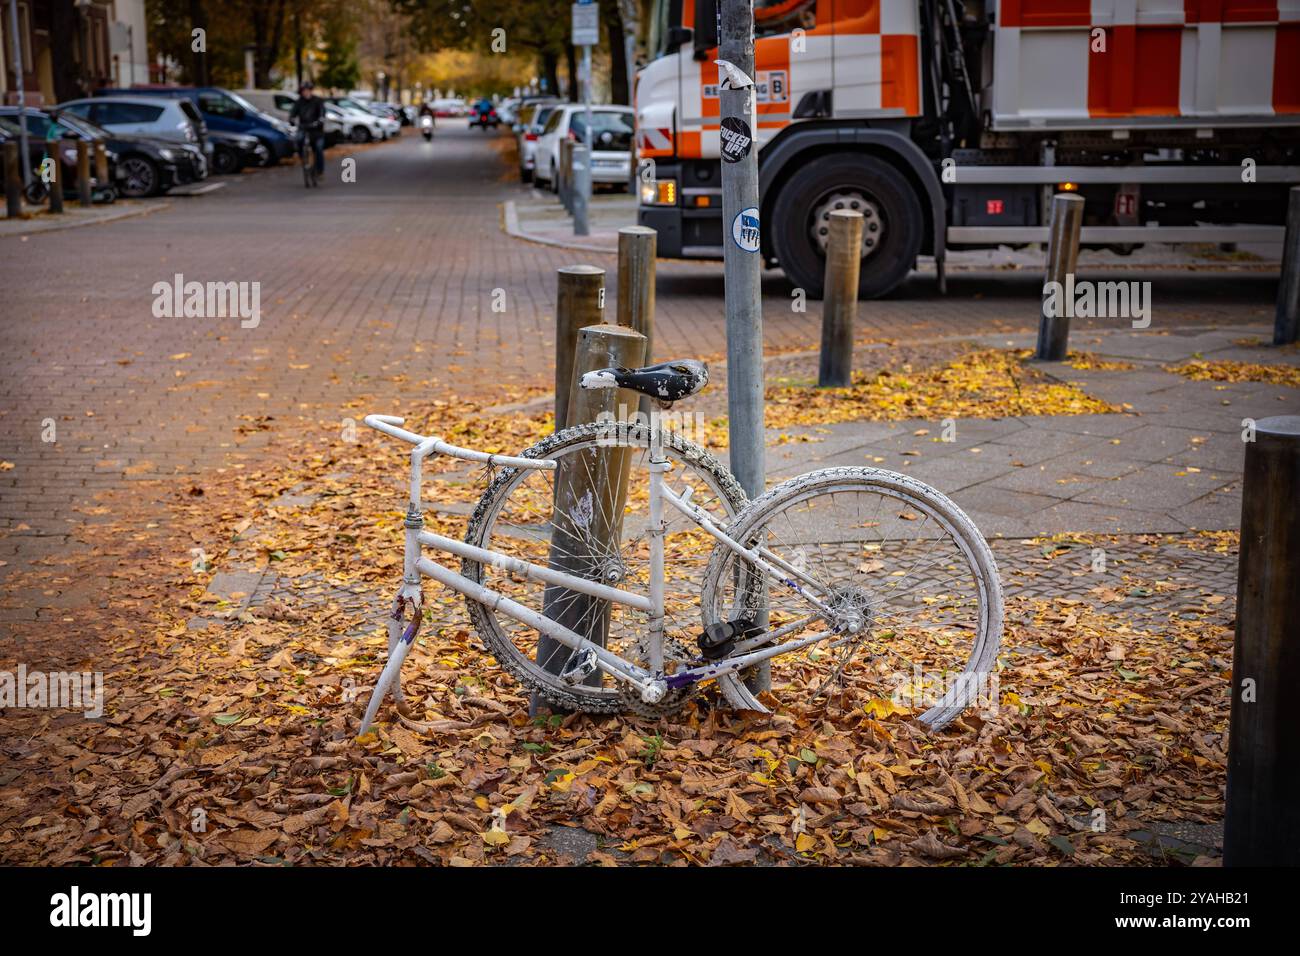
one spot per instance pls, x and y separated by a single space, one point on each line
891 234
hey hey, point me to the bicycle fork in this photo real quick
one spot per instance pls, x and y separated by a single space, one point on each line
409 594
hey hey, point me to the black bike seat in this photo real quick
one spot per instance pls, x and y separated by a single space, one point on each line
667 381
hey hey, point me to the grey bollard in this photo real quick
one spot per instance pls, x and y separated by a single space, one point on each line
1062 258
581 193
840 299
1262 819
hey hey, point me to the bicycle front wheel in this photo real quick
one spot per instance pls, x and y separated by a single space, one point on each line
602 535
895 574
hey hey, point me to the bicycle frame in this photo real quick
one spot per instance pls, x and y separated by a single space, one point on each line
416 566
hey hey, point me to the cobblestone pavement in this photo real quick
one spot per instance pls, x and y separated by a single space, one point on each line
376 287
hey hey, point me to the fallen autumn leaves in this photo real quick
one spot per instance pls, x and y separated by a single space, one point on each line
234 743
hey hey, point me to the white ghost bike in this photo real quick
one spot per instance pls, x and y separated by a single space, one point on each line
617 567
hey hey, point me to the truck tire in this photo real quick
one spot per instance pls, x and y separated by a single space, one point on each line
893 229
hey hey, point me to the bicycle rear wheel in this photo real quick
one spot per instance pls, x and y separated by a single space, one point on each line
518 516
905 582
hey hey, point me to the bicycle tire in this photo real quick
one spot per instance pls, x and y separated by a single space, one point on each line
970 542
508 654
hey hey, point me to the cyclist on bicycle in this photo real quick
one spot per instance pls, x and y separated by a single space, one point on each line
308 114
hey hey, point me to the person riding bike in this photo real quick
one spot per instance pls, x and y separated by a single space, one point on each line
308 114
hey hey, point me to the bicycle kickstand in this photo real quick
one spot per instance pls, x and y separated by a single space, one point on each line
399 645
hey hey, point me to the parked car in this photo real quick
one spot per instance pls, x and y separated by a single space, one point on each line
231 152
508 109
611 143
389 110
275 103
374 125
355 126
65 150
143 166
532 120
228 112
175 120
450 106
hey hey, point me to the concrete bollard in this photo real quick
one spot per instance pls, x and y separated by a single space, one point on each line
1262 819
13 182
56 179
1287 321
83 173
1062 258
593 483
840 300
579 302
581 191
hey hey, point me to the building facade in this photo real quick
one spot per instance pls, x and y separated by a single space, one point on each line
70 48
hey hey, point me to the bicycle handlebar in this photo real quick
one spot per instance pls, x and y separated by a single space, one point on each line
388 424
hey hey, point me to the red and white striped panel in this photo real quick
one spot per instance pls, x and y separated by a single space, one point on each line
1188 60
654 141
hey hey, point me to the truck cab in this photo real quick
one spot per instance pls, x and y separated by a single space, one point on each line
952 122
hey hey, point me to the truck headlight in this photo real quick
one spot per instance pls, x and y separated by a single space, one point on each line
659 192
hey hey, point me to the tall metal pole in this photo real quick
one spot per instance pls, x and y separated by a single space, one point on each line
742 259
742 262
25 159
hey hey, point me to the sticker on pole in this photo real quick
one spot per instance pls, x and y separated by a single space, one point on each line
744 229
736 139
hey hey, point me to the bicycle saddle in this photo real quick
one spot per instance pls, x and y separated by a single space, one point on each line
667 381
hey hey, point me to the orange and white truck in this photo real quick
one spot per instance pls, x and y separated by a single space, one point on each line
952 122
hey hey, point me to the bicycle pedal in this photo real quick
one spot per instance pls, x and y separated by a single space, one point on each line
718 639
580 665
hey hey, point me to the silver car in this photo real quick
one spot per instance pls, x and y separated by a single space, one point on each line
154 116
531 121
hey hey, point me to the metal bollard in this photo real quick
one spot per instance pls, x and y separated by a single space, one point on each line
13 182
1262 819
594 482
56 177
840 299
1287 321
581 191
101 164
1062 258
579 302
83 173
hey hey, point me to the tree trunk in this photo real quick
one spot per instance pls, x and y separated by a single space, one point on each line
297 43
618 90
551 72
571 58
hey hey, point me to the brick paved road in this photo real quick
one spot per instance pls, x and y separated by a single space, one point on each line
359 283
